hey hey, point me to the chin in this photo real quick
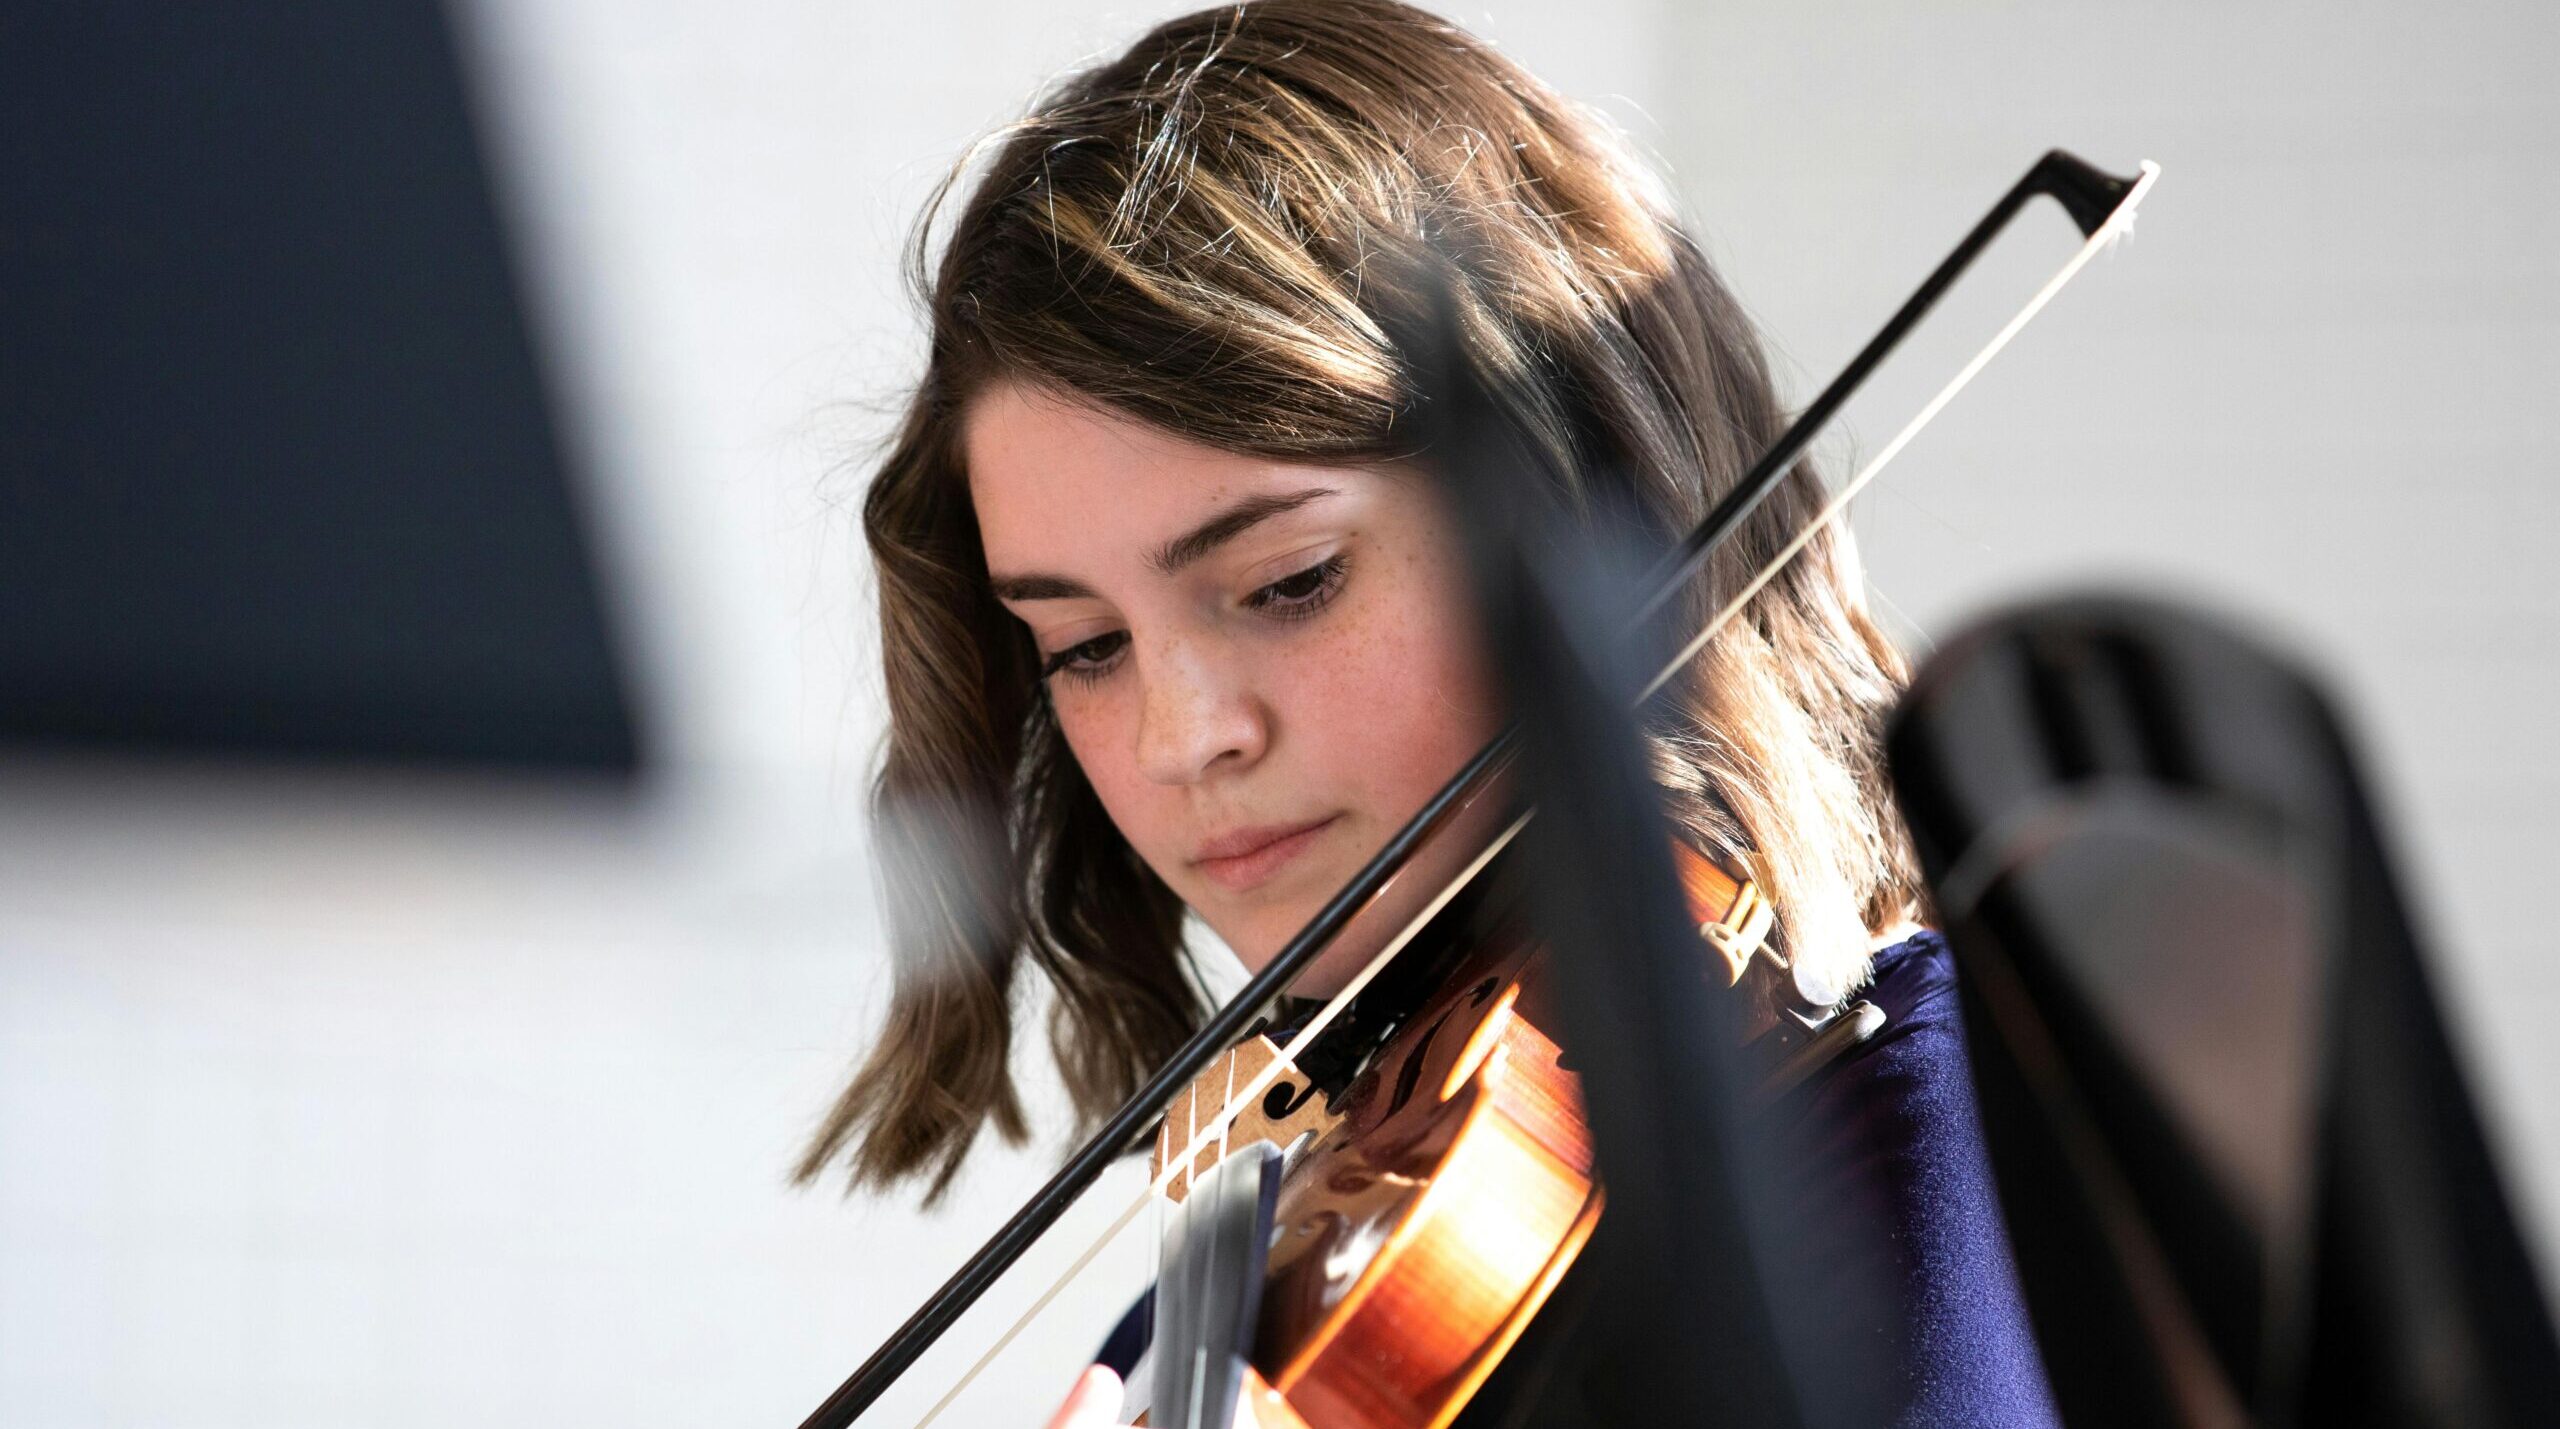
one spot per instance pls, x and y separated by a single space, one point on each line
1258 947
1258 924
1257 938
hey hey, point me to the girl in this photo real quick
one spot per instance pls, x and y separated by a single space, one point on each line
1172 627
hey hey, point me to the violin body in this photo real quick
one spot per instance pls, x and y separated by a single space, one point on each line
1430 1209
1426 1214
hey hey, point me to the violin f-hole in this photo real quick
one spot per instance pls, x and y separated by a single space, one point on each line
1283 1100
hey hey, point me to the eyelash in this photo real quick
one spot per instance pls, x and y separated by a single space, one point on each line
1084 663
1065 661
1328 584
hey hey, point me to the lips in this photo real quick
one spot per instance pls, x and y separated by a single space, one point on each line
1239 859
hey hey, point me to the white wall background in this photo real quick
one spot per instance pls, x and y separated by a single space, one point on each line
329 1100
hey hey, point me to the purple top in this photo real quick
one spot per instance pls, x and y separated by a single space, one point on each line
1906 1149
1894 1141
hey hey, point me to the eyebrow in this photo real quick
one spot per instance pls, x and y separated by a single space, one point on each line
1040 587
1173 555
1209 535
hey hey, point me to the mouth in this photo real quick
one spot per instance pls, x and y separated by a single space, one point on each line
1240 860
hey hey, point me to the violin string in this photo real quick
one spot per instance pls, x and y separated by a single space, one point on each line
1255 1086
1138 1204
1261 1081
2118 224
2115 227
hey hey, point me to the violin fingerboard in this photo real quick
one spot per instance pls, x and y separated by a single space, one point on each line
1209 1290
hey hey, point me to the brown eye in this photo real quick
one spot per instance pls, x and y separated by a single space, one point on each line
1087 660
1302 593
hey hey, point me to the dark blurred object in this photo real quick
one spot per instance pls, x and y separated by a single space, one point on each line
277 471
1690 1305
2245 1181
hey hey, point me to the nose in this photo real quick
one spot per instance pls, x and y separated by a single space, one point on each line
1198 716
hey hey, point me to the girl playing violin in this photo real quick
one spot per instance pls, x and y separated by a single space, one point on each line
1173 626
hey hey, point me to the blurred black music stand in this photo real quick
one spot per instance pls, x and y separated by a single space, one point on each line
2241 1172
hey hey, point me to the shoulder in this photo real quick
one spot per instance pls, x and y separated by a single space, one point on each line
1908 1091
1905 1142
1915 983
1910 1087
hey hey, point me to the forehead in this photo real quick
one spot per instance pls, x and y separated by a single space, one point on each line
1053 478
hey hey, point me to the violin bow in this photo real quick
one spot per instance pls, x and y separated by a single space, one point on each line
2100 205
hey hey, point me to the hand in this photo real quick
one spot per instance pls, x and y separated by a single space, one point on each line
1093 1404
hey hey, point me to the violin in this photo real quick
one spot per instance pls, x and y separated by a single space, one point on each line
1423 1214
1368 1258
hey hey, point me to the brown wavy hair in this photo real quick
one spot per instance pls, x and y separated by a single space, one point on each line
1203 233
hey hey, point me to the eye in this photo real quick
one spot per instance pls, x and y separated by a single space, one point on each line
1087 660
1302 594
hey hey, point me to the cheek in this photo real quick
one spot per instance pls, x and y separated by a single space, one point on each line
1393 700
1101 730
1373 707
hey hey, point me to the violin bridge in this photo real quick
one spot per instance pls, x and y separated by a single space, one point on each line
1279 1114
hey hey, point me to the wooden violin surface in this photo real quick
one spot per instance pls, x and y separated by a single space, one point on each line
1429 1209
1426 1214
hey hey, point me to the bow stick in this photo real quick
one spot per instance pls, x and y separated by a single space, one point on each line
2101 205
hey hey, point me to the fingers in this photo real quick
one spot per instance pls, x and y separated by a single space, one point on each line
1093 1404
